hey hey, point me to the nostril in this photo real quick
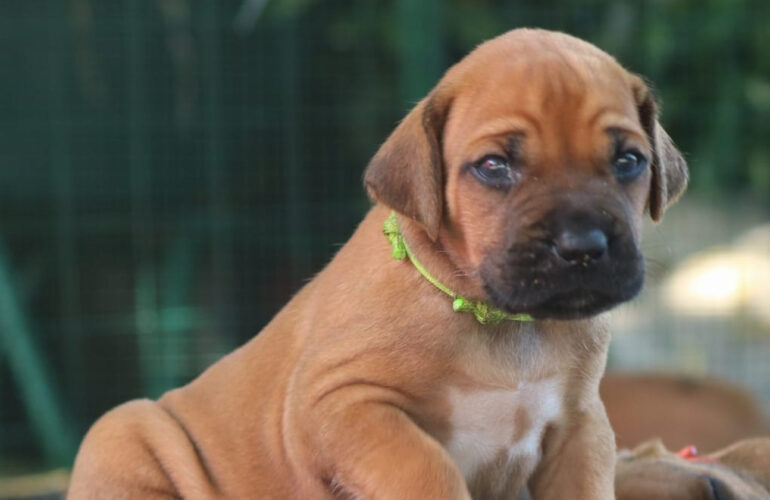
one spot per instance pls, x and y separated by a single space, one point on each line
718 489
581 246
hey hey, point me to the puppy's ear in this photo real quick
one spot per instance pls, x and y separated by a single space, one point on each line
669 169
407 173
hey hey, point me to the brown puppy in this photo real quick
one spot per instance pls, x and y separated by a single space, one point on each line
739 472
520 180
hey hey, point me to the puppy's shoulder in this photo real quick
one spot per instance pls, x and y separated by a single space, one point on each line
113 458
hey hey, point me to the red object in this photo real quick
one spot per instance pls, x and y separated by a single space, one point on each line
690 452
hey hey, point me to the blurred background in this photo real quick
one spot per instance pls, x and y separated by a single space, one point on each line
172 171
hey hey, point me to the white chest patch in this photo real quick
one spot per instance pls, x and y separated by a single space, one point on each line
487 422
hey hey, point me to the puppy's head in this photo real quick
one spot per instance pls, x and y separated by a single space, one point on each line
531 163
738 472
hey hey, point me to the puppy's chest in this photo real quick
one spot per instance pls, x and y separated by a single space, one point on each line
495 434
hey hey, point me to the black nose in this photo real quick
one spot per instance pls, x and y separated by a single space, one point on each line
581 246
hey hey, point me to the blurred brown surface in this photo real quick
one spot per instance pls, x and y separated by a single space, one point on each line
680 410
49 485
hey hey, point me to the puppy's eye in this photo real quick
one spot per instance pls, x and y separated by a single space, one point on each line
628 165
494 171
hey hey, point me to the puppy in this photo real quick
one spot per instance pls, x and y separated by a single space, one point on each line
520 183
738 472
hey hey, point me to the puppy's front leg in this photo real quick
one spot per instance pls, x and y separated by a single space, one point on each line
578 461
373 450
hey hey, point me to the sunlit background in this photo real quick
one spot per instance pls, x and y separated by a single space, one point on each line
172 171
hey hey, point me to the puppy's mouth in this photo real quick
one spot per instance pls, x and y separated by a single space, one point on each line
576 304
543 287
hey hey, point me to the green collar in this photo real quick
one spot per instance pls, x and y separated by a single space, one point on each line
484 313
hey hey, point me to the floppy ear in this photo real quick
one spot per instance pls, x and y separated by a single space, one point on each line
407 173
669 169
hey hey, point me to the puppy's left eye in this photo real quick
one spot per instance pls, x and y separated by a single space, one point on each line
628 165
494 171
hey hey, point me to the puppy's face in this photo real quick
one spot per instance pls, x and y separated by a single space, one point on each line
542 154
547 173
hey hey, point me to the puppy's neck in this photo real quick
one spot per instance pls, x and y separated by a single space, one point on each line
434 256
394 291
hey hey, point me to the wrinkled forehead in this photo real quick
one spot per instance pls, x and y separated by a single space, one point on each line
546 86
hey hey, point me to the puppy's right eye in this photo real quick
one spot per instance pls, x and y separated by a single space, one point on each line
494 171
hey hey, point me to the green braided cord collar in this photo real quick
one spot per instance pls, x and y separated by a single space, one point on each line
484 313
